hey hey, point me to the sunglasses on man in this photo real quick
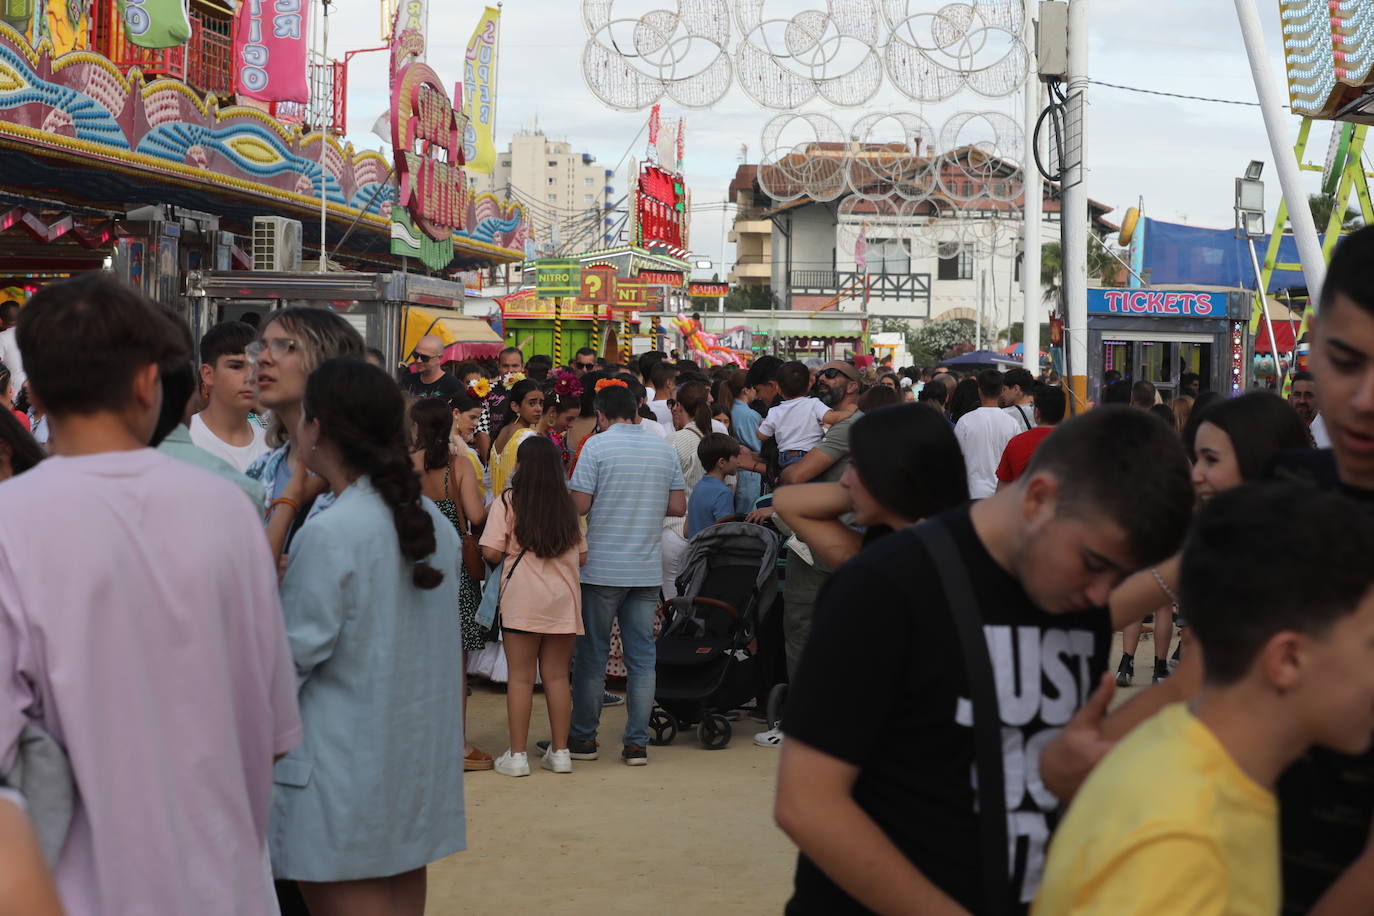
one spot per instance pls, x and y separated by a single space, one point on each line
418 357
586 367
833 373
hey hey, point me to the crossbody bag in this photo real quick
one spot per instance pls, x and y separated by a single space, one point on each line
987 717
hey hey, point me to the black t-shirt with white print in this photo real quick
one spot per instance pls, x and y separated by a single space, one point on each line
882 686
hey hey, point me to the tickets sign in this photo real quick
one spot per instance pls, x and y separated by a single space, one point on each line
1149 303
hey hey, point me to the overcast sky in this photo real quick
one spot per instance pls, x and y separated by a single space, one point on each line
1180 156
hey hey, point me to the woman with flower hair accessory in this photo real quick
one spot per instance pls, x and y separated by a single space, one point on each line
524 408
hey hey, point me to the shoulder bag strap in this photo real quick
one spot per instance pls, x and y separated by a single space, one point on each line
1024 419
987 718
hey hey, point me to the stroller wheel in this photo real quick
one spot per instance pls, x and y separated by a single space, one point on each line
776 698
714 732
664 726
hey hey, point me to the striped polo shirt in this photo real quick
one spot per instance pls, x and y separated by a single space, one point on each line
629 473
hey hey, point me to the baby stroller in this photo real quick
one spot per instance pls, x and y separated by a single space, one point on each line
704 657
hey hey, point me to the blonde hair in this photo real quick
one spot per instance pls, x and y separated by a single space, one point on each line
1182 406
320 334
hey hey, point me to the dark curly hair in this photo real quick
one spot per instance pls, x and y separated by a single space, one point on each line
362 412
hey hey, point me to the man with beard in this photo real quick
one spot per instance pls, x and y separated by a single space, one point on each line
837 385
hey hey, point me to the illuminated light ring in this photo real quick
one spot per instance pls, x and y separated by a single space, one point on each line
930 56
632 63
1006 145
888 218
814 168
882 173
787 74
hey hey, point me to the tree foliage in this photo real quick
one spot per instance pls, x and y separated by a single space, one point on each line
1322 206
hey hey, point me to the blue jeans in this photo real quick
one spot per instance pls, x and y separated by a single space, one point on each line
634 606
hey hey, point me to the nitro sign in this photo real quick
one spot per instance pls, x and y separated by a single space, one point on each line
1149 303
427 139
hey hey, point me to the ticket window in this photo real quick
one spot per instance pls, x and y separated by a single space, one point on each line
1161 362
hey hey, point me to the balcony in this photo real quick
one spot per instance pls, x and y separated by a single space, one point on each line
758 226
205 63
904 287
752 270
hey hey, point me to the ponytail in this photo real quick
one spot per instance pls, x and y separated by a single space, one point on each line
361 411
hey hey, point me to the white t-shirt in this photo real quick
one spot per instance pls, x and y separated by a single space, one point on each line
10 356
1023 414
655 428
664 415
237 456
1319 434
983 435
796 424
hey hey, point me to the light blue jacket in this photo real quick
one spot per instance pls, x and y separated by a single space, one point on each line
376 788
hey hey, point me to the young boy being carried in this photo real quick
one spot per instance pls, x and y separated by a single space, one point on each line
1289 663
711 500
796 422
222 428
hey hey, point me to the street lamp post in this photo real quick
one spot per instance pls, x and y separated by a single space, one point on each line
1249 224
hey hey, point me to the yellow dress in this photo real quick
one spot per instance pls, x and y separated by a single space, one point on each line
503 463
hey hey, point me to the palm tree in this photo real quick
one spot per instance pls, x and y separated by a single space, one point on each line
1052 269
1322 206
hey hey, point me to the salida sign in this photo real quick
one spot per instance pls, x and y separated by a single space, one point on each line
427 137
1156 303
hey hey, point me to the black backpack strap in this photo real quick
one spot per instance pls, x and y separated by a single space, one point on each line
987 716
1024 419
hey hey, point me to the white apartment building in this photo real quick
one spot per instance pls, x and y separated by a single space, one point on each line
567 195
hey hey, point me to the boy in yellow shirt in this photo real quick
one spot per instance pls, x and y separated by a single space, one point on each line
1287 641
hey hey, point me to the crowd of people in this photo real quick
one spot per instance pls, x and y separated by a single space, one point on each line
244 582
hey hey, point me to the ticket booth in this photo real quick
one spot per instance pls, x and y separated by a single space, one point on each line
1159 334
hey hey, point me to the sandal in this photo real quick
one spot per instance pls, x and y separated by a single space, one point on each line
477 760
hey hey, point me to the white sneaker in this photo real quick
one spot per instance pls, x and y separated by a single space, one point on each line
509 764
770 738
557 761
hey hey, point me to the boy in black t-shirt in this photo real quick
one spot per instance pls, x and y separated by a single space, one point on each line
876 782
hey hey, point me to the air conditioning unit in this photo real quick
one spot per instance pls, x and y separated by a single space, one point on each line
276 243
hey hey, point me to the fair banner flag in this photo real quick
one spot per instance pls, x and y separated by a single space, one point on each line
270 50
408 35
154 23
479 95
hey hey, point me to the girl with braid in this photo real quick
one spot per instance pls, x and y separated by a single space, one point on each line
375 791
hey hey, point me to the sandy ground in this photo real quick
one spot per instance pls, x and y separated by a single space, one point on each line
690 833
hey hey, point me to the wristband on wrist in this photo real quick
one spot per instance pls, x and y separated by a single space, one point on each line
284 501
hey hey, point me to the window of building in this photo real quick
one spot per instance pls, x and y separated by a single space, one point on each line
588 198
553 181
589 182
958 267
505 163
553 163
553 197
887 256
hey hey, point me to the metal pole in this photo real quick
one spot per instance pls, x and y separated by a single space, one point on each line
978 311
1033 188
324 137
1268 324
1281 147
558 331
1074 209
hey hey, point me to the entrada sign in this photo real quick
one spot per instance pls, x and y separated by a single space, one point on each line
1152 303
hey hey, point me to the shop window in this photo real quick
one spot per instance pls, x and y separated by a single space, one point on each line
958 267
887 256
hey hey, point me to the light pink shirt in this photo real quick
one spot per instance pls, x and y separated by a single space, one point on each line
140 626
